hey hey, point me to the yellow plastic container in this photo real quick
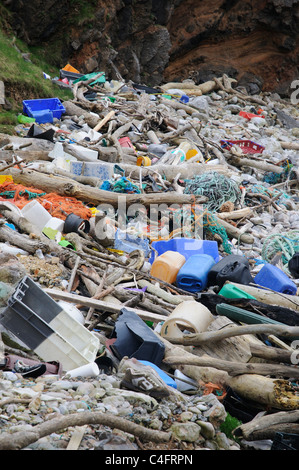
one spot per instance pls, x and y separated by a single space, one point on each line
167 266
144 161
188 316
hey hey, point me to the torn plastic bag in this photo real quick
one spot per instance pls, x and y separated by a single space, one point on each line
135 339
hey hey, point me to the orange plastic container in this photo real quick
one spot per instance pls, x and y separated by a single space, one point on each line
167 266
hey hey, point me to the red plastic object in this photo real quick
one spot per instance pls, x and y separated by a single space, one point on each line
249 115
125 142
247 146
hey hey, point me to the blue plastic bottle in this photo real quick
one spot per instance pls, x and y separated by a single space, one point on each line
272 277
193 275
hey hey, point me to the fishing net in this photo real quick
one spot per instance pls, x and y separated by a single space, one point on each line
57 206
285 244
216 187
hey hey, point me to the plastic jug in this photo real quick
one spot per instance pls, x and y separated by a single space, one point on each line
226 261
190 316
274 278
167 266
193 276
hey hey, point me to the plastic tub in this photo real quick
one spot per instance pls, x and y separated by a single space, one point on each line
35 213
193 276
188 315
41 109
272 277
187 247
167 266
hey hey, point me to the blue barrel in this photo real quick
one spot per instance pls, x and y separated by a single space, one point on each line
272 277
193 275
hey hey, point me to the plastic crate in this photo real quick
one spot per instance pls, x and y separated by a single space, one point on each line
42 324
43 110
247 146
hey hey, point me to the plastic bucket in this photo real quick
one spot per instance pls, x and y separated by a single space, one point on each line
189 315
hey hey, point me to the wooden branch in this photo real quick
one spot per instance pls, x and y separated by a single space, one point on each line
234 232
237 214
20 440
268 296
214 336
236 368
259 424
101 305
104 121
260 165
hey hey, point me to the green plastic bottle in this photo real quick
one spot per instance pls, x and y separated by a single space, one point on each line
25 119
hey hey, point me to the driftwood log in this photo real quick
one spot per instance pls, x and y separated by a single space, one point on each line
271 393
237 369
68 187
267 296
22 439
265 427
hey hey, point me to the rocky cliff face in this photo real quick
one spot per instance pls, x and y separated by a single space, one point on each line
149 41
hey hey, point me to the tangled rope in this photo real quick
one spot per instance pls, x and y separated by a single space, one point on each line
216 187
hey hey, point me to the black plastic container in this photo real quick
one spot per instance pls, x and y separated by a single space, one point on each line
234 268
135 339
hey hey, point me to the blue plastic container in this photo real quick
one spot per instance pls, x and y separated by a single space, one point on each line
193 275
43 110
272 277
187 247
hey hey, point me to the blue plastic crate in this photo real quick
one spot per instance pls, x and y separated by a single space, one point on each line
43 110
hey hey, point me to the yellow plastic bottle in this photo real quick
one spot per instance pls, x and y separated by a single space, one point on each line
167 266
